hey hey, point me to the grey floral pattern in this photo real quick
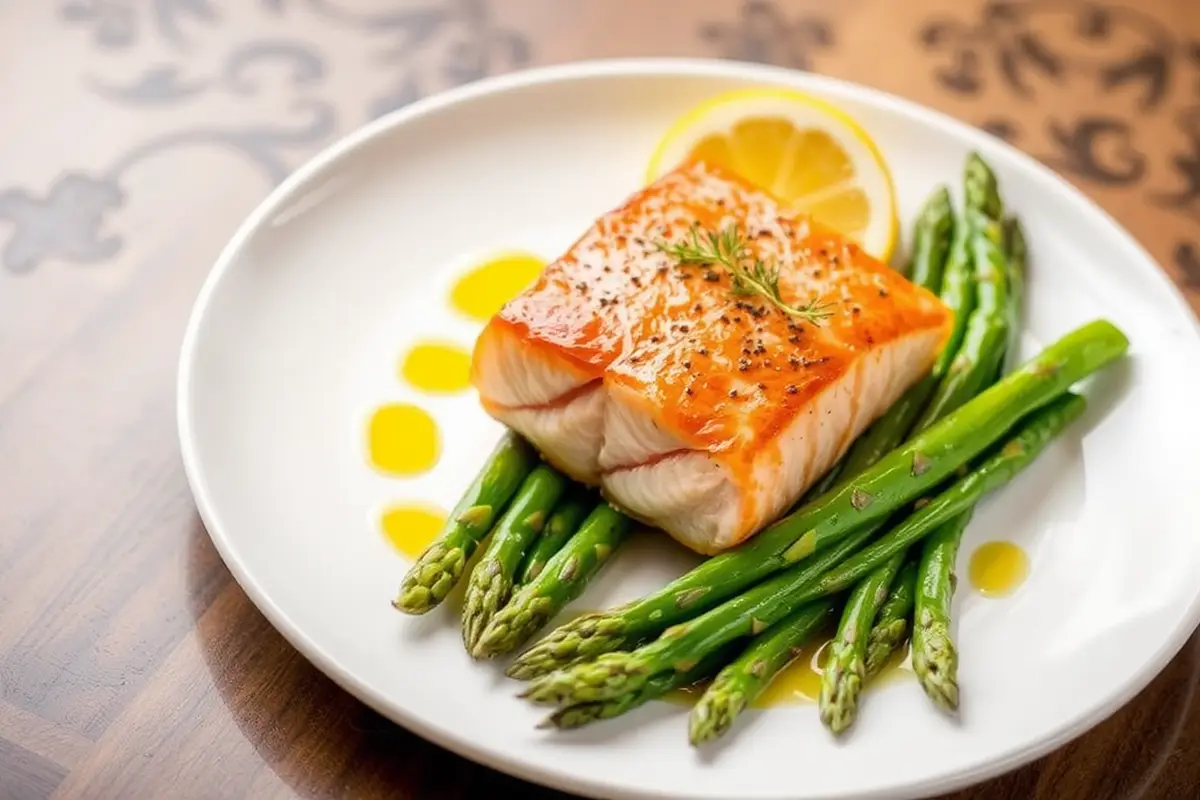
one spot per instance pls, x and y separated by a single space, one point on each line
763 33
117 24
65 224
1117 47
1117 52
422 48
1120 53
158 85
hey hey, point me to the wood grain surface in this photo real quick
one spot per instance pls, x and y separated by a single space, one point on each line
135 137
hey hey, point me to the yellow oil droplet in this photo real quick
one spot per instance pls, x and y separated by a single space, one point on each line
998 568
403 440
686 695
800 681
437 367
410 528
484 290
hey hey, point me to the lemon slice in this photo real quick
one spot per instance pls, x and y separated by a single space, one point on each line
809 154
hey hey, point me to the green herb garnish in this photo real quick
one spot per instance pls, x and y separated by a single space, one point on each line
748 276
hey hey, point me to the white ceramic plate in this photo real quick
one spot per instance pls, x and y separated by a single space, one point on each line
296 335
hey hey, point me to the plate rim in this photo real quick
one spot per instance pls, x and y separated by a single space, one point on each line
648 67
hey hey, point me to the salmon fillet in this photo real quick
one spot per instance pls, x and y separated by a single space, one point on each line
697 410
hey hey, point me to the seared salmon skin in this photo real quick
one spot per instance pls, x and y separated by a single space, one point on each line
698 409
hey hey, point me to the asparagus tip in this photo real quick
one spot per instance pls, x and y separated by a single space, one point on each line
840 691
714 714
487 591
936 670
414 600
943 691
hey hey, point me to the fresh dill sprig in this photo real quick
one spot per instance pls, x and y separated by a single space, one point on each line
748 276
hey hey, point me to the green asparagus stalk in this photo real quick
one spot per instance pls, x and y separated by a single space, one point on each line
546 661
932 236
1017 254
841 685
565 576
661 684
933 233
934 657
859 500
958 293
741 682
981 201
441 566
846 670
491 581
826 482
891 626
679 648
566 518
986 334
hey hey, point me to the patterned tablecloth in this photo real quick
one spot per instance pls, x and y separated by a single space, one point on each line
136 134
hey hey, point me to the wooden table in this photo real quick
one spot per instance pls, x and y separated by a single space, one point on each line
136 135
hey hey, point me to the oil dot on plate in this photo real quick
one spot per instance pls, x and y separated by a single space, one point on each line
800 681
411 527
484 290
403 440
437 367
998 568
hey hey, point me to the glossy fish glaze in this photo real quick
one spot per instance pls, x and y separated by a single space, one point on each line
696 409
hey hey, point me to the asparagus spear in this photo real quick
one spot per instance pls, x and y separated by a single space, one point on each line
678 648
932 235
841 683
1017 253
565 576
933 232
986 332
582 714
440 567
934 658
958 291
891 626
971 369
873 495
741 682
846 671
491 581
545 661
563 522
